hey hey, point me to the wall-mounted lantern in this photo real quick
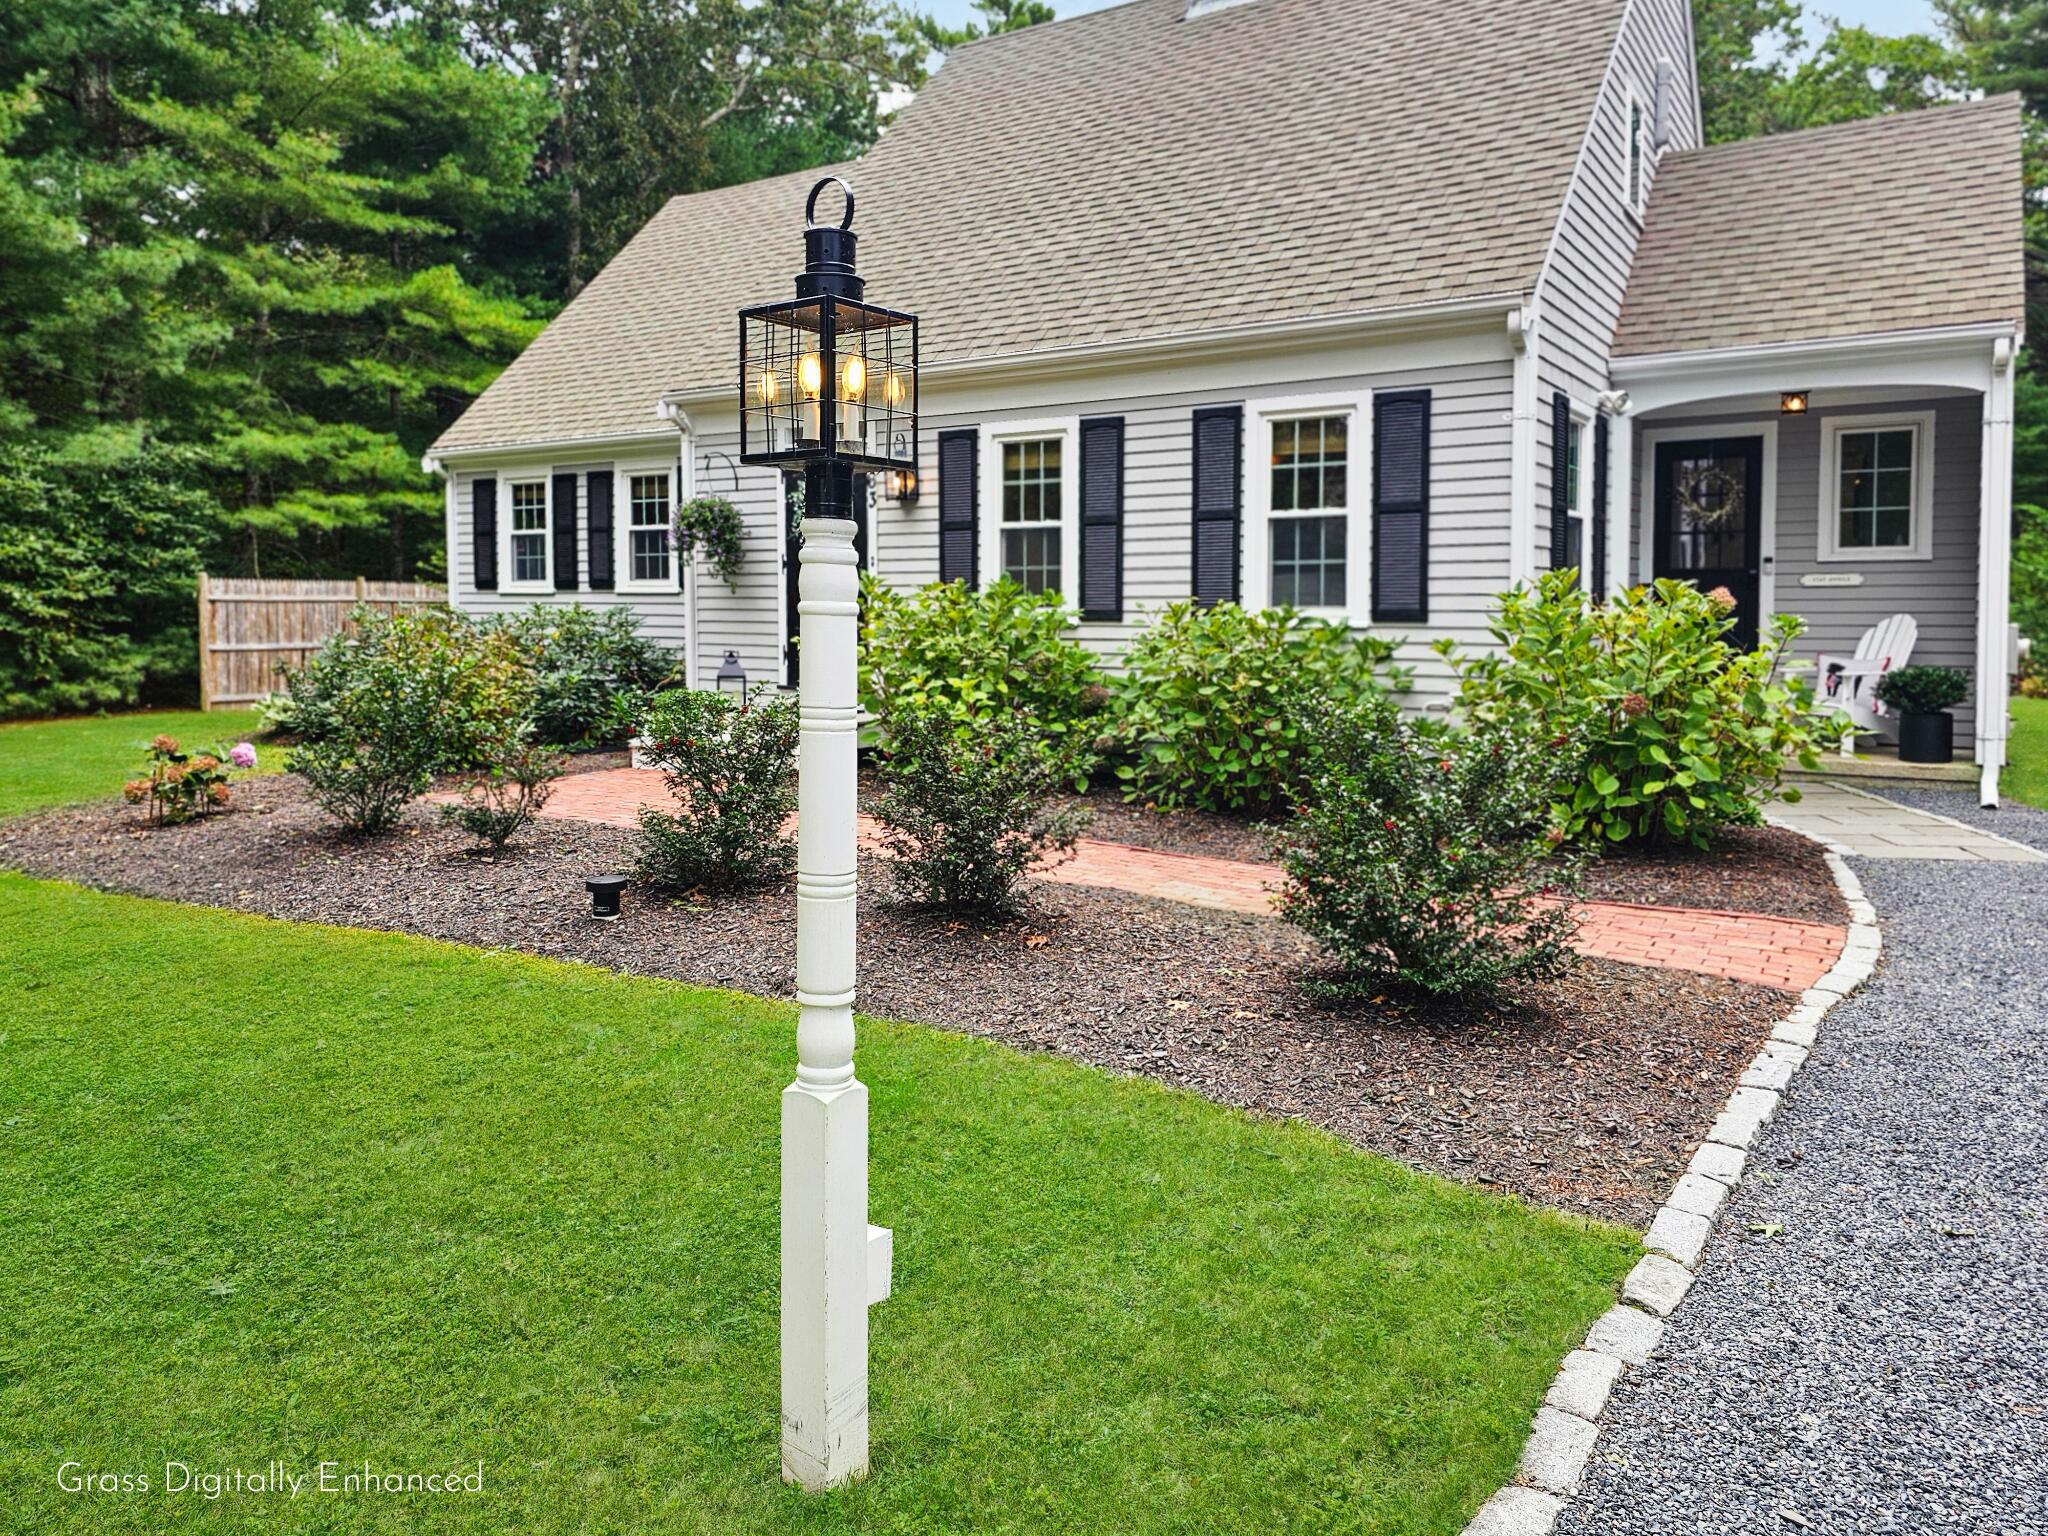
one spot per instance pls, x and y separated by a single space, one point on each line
732 677
902 486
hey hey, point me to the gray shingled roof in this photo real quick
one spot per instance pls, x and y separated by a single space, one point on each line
1892 224
1125 175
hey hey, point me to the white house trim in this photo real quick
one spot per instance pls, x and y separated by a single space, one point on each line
1523 337
624 472
1767 513
1900 362
526 475
1994 570
1260 416
994 434
1828 547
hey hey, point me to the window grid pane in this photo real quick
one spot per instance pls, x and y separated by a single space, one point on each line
1310 474
1875 489
1308 562
1031 514
1309 464
647 541
529 530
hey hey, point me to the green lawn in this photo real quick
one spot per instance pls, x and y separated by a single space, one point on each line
272 1191
2026 774
61 762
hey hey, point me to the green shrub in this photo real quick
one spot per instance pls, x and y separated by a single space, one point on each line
586 663
501 800
733 774
456 686
1218 707
976 654
1684 733
965 819
1922 690
1429 860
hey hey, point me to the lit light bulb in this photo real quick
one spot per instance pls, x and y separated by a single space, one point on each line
810 375
767 386
853 378
892 389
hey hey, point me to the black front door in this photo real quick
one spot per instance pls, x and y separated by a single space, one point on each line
792 539
1709 509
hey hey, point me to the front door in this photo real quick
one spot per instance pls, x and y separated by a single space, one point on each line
792 540
1709 511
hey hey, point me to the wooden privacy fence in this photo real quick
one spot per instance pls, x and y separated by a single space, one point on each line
249 627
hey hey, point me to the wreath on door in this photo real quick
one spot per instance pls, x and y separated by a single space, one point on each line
1711 498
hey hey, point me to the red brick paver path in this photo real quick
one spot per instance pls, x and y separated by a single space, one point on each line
1745 946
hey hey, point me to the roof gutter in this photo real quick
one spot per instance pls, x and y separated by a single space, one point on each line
1644 364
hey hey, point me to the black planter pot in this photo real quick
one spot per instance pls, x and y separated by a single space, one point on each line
1927 738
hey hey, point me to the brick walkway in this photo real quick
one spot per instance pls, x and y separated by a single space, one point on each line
1745 946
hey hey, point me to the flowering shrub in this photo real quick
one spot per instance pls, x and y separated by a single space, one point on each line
1683 732
1430 860
733 774
977 654
1218 707
177 786
585 663
502 800
242 755
965 820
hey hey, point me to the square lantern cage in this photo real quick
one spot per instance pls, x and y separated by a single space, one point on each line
826 379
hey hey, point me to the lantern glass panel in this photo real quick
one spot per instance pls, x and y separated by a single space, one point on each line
782 379
838 384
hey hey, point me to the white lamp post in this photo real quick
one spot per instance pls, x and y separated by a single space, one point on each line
829 384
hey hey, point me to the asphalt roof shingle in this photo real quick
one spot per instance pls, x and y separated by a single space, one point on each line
1123 175
1890 224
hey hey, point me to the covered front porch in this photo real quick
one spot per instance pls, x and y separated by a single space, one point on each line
1862 484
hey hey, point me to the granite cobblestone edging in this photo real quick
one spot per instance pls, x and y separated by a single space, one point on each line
1567 1425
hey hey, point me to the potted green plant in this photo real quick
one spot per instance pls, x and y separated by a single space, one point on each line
1921 697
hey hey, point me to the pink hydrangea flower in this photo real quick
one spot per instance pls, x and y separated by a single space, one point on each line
242 755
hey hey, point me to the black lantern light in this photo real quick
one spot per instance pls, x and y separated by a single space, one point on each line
605 891
828 384
732 677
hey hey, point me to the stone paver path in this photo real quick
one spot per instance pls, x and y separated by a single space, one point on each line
1865 1351
1860 823
1745 946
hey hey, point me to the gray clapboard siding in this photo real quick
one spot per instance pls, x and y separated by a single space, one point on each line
1940 594
1579 297
1468 520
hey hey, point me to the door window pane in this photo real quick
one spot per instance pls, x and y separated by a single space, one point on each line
1031 514
1311 474
1709 526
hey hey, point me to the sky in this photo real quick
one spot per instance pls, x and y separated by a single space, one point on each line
1892 17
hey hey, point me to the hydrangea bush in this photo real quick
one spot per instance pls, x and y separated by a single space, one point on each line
179 786
1684 732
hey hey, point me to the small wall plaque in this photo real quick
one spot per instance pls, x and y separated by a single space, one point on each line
1832 579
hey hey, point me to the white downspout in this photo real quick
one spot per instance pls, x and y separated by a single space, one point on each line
1994 573
686 491
1522 448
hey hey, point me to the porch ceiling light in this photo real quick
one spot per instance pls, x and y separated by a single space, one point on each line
1792 403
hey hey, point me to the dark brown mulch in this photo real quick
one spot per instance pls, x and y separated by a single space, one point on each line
1749 869
1587 1094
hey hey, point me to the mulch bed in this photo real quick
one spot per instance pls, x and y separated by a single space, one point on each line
1749 869
1588 1094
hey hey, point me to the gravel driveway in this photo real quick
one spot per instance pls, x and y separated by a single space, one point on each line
1866 1349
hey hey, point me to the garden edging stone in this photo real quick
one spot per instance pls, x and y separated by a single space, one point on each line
1567 1426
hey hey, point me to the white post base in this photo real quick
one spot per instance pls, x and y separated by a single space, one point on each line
826 1284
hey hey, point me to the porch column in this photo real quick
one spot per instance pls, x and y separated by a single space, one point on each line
1994 573
1621 503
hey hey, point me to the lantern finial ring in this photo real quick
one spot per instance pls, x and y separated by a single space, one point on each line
811 202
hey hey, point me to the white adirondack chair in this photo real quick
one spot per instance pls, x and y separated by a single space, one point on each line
1849 683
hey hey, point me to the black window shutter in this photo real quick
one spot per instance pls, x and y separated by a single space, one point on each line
1560 455
1400 507
1102 517
958 532
1219 501
597 516
1600 426
565 533
483 534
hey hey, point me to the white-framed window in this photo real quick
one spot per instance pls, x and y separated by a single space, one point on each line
1578 499
529 554
1307 531
1636 152
1030 505
646 531
1877 488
